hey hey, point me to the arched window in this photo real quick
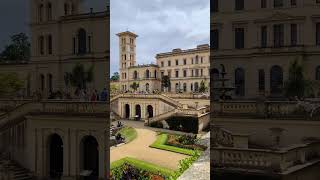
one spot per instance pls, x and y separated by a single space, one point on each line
155 74
239 82
135 75
177 87
196 86
49 44
147 87
42 82
318 73
147 73
40 13
66 9
185 87
191 87
215 73
41 45
276 80
49 11
50 82
72 9
82 41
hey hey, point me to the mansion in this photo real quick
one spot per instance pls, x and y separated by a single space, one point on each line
257 41
185 68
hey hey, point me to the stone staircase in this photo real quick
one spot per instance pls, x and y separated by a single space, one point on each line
10 170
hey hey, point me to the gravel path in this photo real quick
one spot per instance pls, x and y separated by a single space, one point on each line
139 148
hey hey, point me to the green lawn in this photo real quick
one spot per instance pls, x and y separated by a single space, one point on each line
143 166
128 133
160 143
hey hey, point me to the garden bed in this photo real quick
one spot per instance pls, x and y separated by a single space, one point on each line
137 169
185 142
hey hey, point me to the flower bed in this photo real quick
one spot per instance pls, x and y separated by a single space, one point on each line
184 141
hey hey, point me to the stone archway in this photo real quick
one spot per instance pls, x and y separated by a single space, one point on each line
150 111
55 152
138 112
127 111
89 156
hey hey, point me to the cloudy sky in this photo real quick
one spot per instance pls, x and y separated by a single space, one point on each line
162 25
14 16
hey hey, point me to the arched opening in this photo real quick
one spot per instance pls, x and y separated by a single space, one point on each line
147 87
138 112
40 13
196 86
155 74
55 156
89 156
127 111
276 80
66 9
150 111
82 41
135 75
177 87
147 73
239 81
318 73
185 87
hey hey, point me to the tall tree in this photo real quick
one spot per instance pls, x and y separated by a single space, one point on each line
79 77
296 83
165 81
18 49
115 76
202 87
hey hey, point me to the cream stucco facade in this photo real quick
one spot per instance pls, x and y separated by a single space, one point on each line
186 68
258 42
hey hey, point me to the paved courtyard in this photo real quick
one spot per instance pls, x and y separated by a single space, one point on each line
139 148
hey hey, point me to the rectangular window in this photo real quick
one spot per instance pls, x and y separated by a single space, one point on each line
169 63
89 44
264 36
177 74
215 39
201 60
184 61
162 74
214 5
177 62
191 60
201 72
318 34
293 34
169 73
41 43
293 2
74 45
261 80
263 4
278 35
162 63
239 38
197 72
277 3
184 73
192 73
239 4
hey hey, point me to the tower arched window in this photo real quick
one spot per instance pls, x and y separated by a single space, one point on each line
82 41
40 12
276 80
49 11
41 45
239 82
318 73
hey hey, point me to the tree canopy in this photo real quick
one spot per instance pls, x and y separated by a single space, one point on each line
10 83
18 49
79 77
134 86
115 76
296 83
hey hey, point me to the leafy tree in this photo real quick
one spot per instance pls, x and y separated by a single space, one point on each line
115 76
134 86
114 88
165 82
18 50
79 77
296 83
10 83
203 88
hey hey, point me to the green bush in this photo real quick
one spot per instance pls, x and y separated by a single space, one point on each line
128 133
156 124
185 124
184 164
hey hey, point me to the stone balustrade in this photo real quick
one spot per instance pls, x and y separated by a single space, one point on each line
268 160
270 109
